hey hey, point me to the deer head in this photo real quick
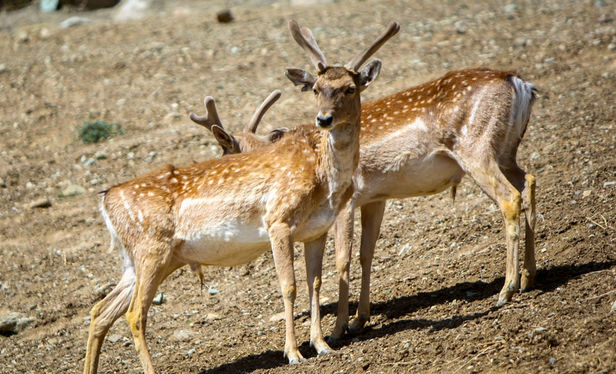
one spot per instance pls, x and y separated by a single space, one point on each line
245 141
336 88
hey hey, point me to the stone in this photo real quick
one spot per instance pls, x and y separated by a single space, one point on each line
158 299
609 184
3 68
183 335
100 155
134 9
72 190
48 6
114 338
510 8
586 193
40 203
460 27
74 21
12 322
224 16
613 308
277 317
212 317
612 47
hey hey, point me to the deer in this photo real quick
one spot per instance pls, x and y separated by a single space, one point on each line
245 141
422 141
228 211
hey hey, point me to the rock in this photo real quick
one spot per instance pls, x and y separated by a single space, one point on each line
45 33
48 6
114 338
540 329
552 360
549 60
158 299
134 9
95 181
510 8
612 47
40 203
191 352
3 68
586 193
212 317
613 308
609 184
12 322
520 41
2 183
600 3
212 290
224 16
460 27
100 155
74 21
72 190
277 317
183 335
535 156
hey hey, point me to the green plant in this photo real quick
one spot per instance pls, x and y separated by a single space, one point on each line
93 132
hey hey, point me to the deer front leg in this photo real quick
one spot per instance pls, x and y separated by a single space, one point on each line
282 250
371 219
313 253
343 241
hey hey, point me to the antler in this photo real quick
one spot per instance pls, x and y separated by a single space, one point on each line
358 60
211 115
265 105
303 36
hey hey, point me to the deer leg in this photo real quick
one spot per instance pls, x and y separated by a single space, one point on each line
154 268
104 314
344 245
493 182
525 184
529 267
282 250
313 252
371 218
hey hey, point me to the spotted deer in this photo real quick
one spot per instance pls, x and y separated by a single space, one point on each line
245 141
423 141
228 211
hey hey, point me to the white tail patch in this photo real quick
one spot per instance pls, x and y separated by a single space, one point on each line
521 105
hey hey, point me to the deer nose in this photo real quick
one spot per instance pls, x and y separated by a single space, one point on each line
324 121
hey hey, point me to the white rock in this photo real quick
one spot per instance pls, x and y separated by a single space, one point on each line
74 21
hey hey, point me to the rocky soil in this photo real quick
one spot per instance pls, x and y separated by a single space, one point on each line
439 264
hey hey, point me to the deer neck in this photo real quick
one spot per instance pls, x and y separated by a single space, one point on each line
338 160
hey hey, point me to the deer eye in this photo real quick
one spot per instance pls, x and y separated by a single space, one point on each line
350 90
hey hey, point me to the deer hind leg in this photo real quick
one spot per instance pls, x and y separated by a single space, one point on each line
494 183
104 314
371 218
313 252
525 183
344 246
153 269
282 250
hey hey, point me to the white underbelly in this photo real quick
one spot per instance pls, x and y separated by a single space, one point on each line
415 177
317 224
224 244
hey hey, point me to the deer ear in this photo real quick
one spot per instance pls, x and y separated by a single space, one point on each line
301 77
277 134
226 140
369 73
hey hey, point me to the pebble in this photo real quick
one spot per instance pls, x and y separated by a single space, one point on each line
212 317
2 183
609 184
13 322
612 47
114 338
40 203
100 155
510 8
191 352
586 193
158 299
613 308
520 41
535 156
552 360
2 68
224 16
72 190
74 21
212 291
460 27
277 317
183 335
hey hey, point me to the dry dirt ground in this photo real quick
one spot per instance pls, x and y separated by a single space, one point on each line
439 264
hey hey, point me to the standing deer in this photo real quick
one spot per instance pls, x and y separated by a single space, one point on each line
228 211
423 141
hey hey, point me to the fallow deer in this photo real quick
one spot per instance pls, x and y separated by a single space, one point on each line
245 141
228 211
423 141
